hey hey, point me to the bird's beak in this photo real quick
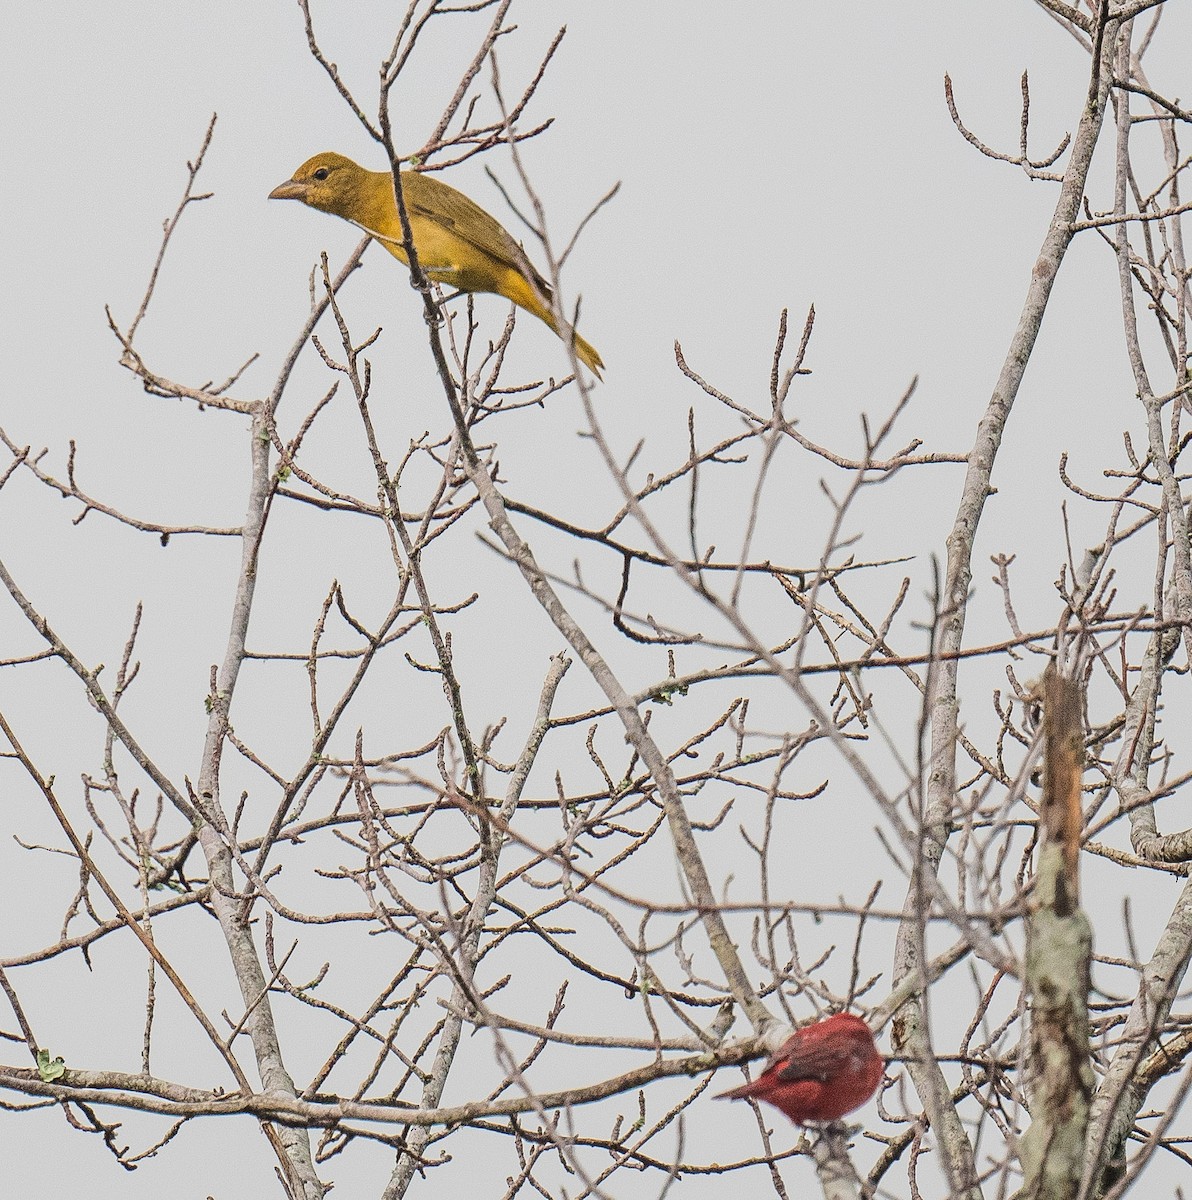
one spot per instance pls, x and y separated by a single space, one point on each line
290 190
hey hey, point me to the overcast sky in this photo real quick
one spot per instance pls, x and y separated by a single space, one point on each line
770 155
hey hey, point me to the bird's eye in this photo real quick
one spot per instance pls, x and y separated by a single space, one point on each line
321 173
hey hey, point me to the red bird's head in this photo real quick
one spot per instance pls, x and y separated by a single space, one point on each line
823 1071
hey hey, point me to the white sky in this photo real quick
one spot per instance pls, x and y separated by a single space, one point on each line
770 155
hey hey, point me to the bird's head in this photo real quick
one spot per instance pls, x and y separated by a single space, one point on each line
329 182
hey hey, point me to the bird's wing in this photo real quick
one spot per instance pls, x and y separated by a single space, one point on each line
815 1061
438 201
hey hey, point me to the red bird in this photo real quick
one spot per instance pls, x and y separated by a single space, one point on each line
823 1071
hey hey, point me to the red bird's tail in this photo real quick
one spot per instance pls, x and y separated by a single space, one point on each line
739 1093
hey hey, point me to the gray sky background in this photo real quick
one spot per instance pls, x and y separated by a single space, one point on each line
771 155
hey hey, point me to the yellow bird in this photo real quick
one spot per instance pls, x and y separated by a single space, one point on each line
457 242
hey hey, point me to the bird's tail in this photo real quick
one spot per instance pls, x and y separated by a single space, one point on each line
534 300
589 356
